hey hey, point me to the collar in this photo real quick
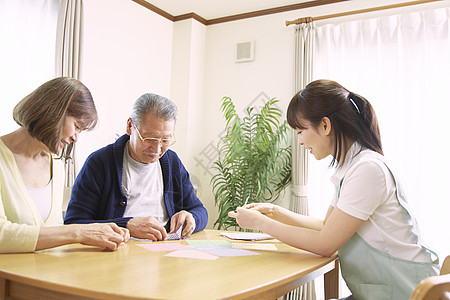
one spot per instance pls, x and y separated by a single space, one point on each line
350 156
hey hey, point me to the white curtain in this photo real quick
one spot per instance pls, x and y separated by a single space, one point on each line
27 52
68 39
304 38
67 58
304 41
401 64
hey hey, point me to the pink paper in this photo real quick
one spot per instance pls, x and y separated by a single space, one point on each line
192 254
164 246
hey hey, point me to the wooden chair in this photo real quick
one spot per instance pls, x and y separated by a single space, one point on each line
434 287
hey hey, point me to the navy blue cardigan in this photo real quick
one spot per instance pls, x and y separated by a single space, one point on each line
97 194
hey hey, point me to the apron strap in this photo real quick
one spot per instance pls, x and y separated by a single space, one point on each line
401 198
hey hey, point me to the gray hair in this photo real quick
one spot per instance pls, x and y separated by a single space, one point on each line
160 106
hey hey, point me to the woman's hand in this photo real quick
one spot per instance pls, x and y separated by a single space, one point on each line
267 209
247 218
107 235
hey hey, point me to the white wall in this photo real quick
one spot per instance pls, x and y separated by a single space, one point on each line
187 87
126 51
187 84
270 75
27 52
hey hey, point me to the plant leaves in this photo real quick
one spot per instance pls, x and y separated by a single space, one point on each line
253 161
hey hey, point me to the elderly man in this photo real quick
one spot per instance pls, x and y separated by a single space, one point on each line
137 182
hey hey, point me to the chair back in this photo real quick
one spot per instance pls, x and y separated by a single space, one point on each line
434 287
446 266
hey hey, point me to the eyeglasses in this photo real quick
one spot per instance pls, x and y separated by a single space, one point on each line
166 142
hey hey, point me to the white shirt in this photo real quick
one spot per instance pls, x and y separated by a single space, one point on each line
368 192
42 198
143 186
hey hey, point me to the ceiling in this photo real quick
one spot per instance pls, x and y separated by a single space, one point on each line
213 9
209 12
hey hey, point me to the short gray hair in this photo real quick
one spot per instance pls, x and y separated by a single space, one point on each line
160 106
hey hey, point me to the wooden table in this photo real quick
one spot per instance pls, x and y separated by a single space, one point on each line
132 272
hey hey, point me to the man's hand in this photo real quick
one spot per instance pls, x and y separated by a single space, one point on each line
185 219
146 228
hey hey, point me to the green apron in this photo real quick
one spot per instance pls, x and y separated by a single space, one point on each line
373 274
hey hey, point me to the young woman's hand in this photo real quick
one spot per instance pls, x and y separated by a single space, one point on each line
247 218
267 209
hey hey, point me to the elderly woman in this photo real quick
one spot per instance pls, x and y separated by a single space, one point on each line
32 177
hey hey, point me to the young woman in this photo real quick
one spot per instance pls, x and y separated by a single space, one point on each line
32 177
368 222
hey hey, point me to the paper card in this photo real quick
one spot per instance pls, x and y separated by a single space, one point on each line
228 252
254 246
192 254
246 236
209 243
164 246
175 235
169 237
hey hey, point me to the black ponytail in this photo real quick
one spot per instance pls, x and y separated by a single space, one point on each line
352 116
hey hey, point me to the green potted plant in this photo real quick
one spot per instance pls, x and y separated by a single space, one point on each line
254 161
